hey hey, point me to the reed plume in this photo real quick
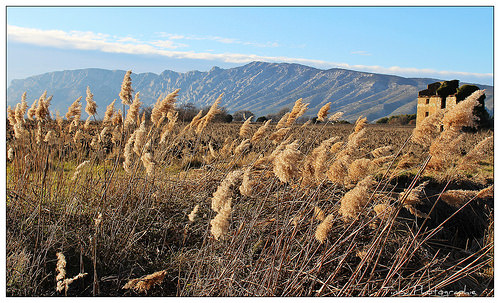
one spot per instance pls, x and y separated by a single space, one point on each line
42 111
282 122
140 138
61 271
148 162
80 168
103 133
142 285
228 146
319 214
462 114
486 193
214 110
323 112
285 164
192 214
39 134
60 266
59 120
126 90
425 132
222 195
74 110
163 107
10 154
259 134
220 224
336 117
64 285
415 195
358 170
133 111
245 128
50 138
20 133
116 136
108 114
445 149
196 120
91 107
355 200
270 158
478 153
172 117
382 151
279 135
32 110
314 167
337 172
320 156
11 116
128 153
414 198
299 108
24 106
457 197
377 162
20 111
359 126
117 118
324 228
247 184
384 210
243 148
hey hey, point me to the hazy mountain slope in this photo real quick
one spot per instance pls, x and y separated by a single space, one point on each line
259 87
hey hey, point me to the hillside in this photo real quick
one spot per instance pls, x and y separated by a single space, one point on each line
260 87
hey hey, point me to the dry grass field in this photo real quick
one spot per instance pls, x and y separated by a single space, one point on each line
135 206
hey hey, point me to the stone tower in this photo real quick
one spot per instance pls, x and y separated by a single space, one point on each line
438 95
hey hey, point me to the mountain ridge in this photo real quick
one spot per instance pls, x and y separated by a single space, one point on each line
260 87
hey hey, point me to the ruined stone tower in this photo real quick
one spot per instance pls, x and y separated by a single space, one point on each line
440 95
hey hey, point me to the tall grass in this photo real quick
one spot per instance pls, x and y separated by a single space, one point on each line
158 207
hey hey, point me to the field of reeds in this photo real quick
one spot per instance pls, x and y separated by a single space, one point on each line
150 206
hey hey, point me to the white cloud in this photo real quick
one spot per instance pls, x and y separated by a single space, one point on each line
129 45
362 53
218 39
168 44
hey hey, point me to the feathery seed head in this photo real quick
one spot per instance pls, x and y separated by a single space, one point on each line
91 107
323 112
126 90
324 228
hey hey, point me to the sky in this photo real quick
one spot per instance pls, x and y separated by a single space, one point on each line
434 42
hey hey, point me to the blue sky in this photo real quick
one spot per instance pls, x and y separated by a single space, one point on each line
437 42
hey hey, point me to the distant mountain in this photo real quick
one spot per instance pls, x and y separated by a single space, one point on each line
260 87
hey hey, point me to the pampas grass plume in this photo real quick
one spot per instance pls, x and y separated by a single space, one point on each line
355 200
323 112
91 107
285 164
80 168
222 195
324 228
126 90
259 134
245 128
220 224
192 215
108 114
281 123
144 284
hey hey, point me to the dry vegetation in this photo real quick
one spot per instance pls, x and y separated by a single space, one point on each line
133 206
